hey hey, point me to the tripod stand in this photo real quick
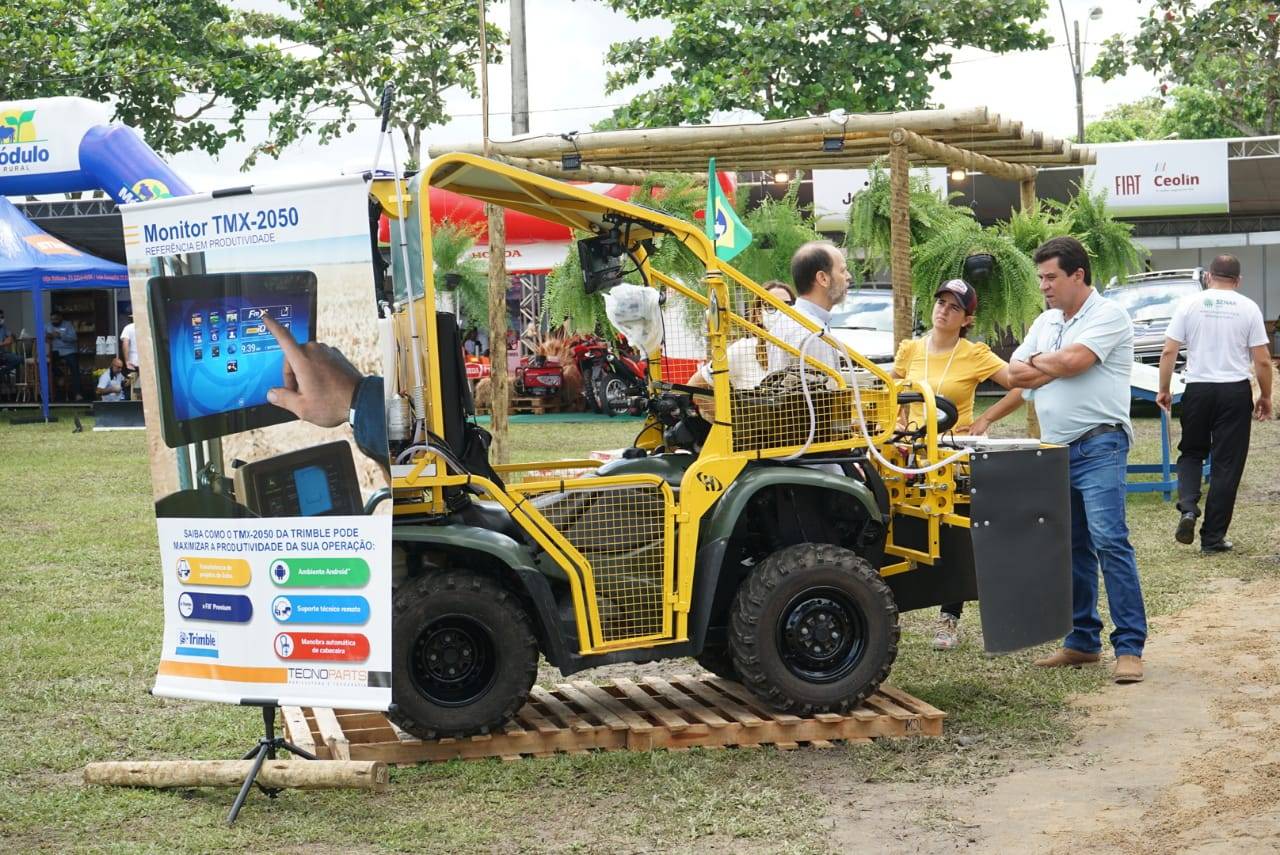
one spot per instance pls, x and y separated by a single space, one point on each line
266 749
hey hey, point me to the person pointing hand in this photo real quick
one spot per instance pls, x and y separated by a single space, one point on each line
319 383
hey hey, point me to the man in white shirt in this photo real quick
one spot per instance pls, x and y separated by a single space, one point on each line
821 278
129 346
1225 339
112 383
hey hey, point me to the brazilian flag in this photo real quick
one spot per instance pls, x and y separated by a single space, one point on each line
726 231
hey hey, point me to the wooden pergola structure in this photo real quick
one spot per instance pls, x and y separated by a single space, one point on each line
974 139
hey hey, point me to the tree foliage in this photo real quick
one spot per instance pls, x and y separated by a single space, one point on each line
168 68
778 228
788 58
1221 60
424 47
1186 113
869 226
1010 299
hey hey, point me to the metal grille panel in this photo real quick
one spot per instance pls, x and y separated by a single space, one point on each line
620 531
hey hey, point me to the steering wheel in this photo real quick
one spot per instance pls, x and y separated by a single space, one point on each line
947 414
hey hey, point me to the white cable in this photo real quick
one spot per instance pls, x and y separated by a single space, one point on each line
875 452
416 344
862 420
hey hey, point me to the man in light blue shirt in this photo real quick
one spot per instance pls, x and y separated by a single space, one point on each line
1077 358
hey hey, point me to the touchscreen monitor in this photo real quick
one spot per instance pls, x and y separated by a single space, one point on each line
215 357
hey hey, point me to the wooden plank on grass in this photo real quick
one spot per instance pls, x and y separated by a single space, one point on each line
738 692
686 702
331 733
671 719
588 706
602 698
560 710
740 714
297 730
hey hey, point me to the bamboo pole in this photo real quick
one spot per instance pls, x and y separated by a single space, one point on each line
1027 203
590 172
961 158
499 281
276 774
553 145
900 241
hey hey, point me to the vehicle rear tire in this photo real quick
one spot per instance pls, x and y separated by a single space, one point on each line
612 394
813 629
464 655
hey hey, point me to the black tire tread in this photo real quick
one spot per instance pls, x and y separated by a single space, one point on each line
757 591
431 584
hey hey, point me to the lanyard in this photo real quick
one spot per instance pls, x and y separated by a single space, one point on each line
938 388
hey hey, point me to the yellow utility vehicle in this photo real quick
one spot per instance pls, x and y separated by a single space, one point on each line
773 528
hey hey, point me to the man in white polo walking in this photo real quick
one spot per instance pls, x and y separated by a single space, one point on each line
1225 339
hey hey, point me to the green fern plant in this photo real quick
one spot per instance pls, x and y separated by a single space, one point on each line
451 245
869 227
778 228
1112 250
1010 300
1029 229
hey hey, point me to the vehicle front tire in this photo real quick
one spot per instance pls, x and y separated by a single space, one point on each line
464 655
813 629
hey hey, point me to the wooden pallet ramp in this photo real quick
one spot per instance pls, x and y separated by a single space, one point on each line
531 405
674 713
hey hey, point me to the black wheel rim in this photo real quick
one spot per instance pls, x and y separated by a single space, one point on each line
615 395
822 635
453 661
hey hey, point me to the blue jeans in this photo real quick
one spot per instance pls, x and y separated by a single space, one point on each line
1100 537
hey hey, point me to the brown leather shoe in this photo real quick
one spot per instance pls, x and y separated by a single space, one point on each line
1128 669
1067 657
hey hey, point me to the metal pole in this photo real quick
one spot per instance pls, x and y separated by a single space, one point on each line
519 72
1078 68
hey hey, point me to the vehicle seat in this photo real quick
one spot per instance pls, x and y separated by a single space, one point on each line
670 467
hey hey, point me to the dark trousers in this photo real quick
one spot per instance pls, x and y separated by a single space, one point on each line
1216 418
71 364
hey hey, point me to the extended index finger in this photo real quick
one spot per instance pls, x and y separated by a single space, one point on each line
292 350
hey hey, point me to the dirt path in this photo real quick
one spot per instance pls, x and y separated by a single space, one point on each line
1188 761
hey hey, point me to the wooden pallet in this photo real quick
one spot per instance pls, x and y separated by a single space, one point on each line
676 714
533 405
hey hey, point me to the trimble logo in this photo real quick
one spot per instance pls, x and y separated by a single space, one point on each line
16 128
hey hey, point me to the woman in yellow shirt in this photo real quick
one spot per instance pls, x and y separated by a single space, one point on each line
953 367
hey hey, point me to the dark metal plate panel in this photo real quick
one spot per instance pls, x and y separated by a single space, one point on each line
1021 531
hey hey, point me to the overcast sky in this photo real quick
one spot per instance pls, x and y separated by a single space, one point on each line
567 43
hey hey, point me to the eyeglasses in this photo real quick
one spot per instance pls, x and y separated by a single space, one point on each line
771 308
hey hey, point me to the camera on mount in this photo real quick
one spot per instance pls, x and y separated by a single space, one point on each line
601 261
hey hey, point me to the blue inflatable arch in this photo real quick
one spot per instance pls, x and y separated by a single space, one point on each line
68 145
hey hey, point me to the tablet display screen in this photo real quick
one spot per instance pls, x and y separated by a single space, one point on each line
223 357
217 359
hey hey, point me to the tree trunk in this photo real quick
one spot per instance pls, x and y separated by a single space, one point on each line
296 774
499 281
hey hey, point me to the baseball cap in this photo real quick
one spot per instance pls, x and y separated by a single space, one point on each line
961 290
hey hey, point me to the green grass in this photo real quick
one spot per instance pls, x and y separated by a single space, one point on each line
81 616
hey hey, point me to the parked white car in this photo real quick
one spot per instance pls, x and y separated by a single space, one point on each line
1150 299
863 321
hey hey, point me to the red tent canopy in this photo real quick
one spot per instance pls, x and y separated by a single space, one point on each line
522 229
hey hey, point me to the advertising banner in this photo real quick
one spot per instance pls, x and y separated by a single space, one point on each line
42 136
834 189
1166 178
258 328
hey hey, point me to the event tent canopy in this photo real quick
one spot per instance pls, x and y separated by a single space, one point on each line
33 260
